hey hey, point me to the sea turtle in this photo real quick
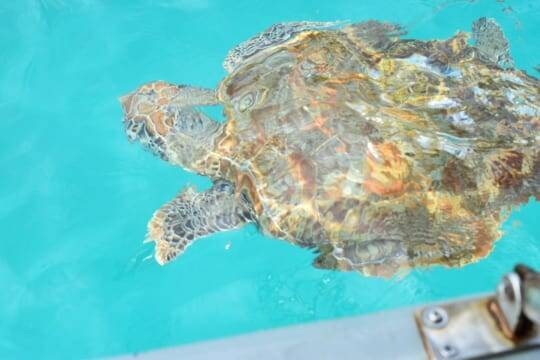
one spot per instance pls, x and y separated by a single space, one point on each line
378 152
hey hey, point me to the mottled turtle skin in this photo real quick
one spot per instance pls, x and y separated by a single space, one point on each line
382 154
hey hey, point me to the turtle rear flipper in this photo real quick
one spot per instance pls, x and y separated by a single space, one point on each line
491 43
375 34
516 174
192 215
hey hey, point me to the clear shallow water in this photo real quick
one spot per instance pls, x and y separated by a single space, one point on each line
75 196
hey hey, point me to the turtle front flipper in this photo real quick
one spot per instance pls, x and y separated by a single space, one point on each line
275 35
192 215
162 117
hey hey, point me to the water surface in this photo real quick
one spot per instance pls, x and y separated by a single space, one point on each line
75 196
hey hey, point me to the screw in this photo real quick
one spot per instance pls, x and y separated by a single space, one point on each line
435 317
448 351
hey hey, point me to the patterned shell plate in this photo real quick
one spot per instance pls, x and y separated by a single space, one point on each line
381 157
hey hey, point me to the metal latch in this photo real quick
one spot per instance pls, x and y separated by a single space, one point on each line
505 322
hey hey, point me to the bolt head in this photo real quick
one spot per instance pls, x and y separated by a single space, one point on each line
435 317
449 351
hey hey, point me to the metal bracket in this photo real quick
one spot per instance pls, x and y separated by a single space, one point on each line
505 322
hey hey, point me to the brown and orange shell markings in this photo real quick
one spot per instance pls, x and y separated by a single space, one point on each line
384 159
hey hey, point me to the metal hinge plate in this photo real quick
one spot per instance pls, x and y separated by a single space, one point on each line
468 329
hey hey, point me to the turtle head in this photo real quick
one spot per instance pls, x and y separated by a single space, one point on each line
160 116
147 118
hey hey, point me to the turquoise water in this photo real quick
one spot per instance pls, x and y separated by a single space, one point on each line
75 196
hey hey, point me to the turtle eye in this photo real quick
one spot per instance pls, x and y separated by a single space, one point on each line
148 92
133 129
